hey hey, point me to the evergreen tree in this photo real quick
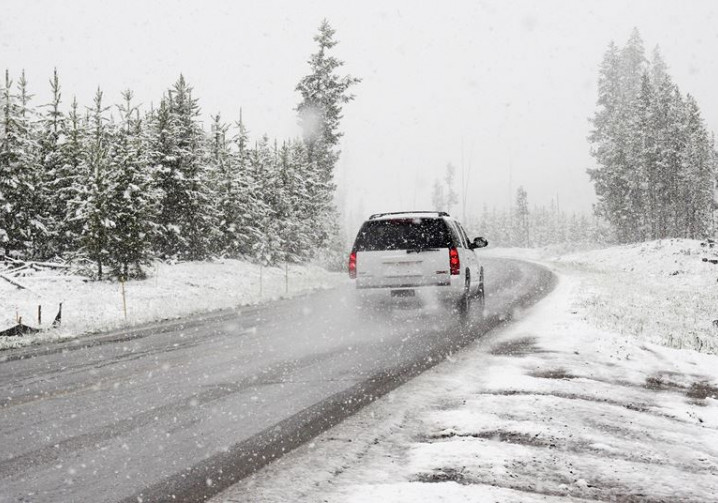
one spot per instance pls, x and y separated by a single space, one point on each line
653 160
225 186
699 158
93 208
71 183
178 159
264 168
247 195
438 199
641 173
130 201
15 181
122 193
166 179
522 218
54 179
632 67
296 231
323 93
237 204
301 165
667 126
608 138
32 211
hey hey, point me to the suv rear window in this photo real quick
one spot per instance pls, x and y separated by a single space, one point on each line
403 234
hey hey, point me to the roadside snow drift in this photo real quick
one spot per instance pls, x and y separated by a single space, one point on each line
662 291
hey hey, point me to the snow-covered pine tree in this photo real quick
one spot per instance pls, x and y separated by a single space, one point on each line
235 189
538 218
249 206
521 216
33 209
631 183
586 226
55 181
438 199
180 172
265 171
670 138
638 140
92 209
561 227
701 166
574 230
323 93
166 179
70 182
195 219
131 198
294 232
633 64
301 246
641 175
284 207
617 180
224 181
15 216
608 139
451 196
656 161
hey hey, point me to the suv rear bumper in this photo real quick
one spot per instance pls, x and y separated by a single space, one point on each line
379 282
394 286
449 289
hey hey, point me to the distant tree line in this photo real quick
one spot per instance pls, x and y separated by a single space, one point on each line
537 226
657 162
120 186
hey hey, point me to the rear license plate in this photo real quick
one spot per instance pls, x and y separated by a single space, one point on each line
403 293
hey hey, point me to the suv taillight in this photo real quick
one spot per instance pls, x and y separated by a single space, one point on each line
353 265
454 265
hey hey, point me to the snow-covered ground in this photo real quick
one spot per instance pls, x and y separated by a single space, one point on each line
660 291
170 291
580 399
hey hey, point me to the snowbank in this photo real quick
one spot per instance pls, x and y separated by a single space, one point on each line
170 291
661 291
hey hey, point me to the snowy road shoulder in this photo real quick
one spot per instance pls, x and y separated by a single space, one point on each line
549 409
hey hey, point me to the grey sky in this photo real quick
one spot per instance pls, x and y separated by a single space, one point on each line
512 81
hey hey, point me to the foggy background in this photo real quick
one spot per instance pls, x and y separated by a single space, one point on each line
503 90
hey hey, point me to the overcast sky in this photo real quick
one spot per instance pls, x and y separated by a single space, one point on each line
504 88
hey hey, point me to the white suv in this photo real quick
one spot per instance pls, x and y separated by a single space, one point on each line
419 253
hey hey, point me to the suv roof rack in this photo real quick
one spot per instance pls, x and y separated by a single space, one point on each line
438 213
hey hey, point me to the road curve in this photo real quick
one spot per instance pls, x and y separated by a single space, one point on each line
180 410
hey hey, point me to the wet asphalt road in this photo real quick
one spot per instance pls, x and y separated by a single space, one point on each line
178 411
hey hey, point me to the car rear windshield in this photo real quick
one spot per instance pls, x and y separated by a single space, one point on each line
403 234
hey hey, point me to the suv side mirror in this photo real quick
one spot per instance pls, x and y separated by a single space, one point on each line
479 243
